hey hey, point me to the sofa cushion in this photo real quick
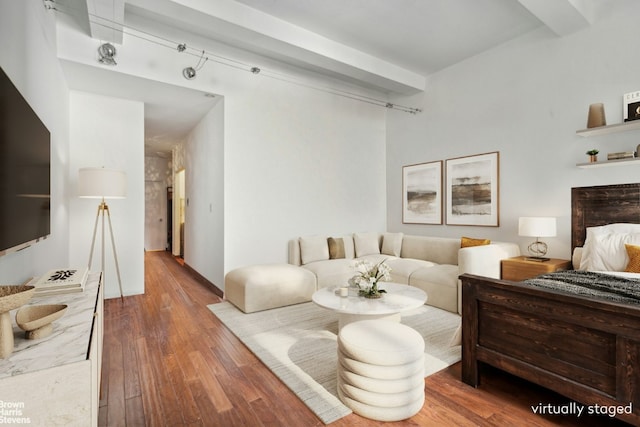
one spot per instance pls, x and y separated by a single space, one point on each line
439 250
392 244
313 248
377 258
336 248
440 282
403 268
366 244
333 272
349 248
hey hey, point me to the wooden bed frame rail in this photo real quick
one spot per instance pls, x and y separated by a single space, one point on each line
585 349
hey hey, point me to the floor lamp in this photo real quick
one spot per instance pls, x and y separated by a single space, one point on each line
103 183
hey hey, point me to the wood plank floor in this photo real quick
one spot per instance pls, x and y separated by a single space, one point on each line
168 361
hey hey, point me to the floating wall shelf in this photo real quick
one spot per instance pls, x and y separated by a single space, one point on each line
620 162
605 130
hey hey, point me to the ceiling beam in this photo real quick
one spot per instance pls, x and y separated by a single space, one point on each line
259 32
105 19
563 17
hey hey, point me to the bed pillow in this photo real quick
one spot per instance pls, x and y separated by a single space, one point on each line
633 252
619 228
336 248
314 248
467 242
392 244
366 244
606 252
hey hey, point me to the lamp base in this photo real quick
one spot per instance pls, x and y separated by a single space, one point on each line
537 258
537 251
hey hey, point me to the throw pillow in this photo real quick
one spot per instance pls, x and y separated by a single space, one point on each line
634 258
336 248
467 242
313 249
366 244
392 244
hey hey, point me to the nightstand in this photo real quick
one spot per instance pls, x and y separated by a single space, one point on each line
518 268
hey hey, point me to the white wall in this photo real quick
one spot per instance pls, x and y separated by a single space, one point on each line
204 204
297 161
524 99
109 132
28 56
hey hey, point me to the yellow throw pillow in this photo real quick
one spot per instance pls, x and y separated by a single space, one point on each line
634 258
467 242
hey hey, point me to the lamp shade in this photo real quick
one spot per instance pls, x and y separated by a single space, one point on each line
102 183
537 226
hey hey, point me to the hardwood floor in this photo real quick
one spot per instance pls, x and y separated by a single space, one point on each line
168 361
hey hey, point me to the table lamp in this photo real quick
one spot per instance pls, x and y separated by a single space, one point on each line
537 227
103 183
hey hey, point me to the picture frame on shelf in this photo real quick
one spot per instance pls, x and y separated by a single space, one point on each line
631 106
422 193
472 190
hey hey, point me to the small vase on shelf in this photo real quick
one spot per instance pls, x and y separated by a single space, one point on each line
593 155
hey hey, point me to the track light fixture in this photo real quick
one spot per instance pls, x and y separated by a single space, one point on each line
189 73
107 52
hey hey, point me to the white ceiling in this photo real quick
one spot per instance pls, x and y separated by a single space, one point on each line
423 36
390 45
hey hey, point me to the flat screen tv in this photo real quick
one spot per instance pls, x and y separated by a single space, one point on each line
25 146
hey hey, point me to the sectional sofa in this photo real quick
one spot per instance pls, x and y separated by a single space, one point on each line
430 263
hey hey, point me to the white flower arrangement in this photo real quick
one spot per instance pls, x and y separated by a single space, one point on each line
368 276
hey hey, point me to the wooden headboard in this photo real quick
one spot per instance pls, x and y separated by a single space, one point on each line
601 205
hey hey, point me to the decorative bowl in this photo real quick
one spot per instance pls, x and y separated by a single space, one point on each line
11 297
36 320
14 296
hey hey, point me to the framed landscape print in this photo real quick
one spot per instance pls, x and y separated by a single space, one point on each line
472 190
422 193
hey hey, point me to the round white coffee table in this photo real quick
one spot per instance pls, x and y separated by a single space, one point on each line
352 308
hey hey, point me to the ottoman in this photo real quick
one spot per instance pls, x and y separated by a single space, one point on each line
261 287
381 369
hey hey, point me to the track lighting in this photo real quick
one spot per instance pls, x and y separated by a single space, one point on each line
107 51
189 73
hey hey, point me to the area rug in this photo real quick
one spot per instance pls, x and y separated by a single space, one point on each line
298 344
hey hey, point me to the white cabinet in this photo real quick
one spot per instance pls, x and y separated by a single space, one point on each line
55 381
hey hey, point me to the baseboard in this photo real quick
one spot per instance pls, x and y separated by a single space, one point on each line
199 276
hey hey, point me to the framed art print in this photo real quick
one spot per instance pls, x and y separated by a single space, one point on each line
472 190
422 193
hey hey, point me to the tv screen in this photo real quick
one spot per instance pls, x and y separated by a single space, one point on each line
24 171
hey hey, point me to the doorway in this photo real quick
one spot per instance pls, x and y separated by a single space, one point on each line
178 213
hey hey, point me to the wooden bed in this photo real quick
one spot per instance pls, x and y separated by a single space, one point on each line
583 348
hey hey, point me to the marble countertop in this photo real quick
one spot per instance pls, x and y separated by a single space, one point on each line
69 341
